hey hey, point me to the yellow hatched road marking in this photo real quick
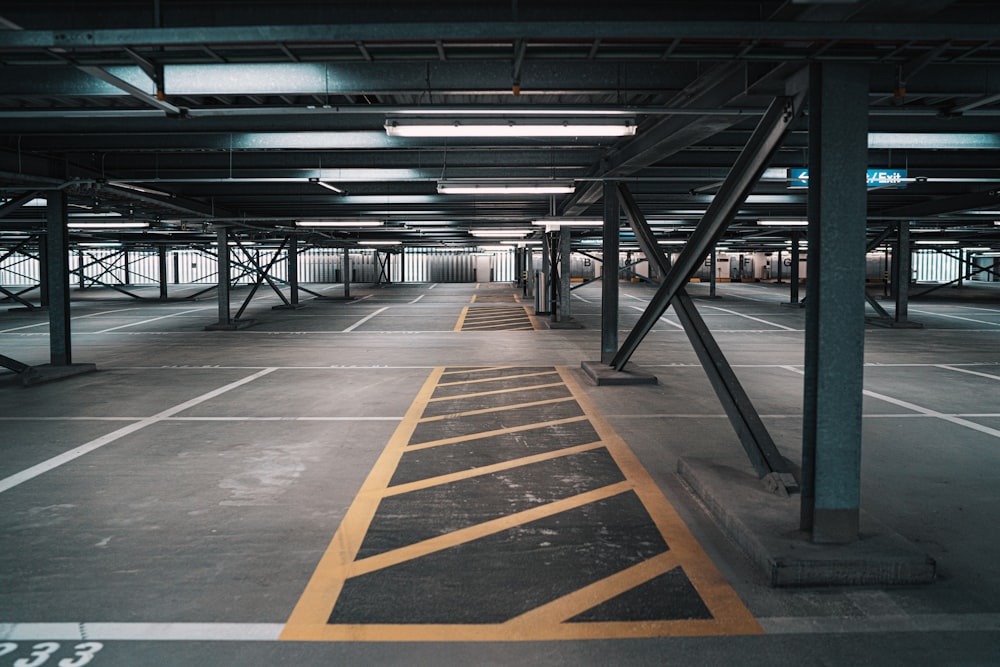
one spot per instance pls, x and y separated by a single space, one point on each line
494 392
494 379
401 489
309 619
463 535
499 431
503 408
478 369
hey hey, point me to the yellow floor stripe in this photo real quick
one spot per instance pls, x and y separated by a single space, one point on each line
499 431
495 379
488 470
496 391
461 319
309 619
502 408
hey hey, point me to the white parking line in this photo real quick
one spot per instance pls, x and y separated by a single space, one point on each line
755 319
418 298
153 319
965 370
363 320
34 471
954 317
141 631
922 410
662 319
78 317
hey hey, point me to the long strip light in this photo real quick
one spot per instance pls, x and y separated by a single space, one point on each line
508 127
568 222
783 223
505 187
339 223
107 225
380 242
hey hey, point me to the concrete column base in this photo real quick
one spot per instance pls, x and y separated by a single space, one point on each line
230 326
604 375
765 525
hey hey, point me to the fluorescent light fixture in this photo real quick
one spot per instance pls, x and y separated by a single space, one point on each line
326 185
500 233
505 187
979 249
672 242
339 223
508 127
494 247
380 242
522 243
100 245
107 225
936 242
783 223
569 222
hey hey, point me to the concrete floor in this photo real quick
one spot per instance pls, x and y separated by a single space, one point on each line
216 467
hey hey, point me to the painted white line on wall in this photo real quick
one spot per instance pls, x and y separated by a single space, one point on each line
154 319
755 319
34 471
364 319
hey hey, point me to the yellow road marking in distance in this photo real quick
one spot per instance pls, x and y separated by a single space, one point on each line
309 619
474 296
461 319
534 320
496 391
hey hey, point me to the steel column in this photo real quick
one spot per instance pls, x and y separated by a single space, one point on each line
347 273
901 270
56 278
222 256
769 464
835 309
161 253
609 273
793 277
565 254
763 143
293 270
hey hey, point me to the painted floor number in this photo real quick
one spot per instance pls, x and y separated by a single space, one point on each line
40 653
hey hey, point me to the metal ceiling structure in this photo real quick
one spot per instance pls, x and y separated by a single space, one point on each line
186 115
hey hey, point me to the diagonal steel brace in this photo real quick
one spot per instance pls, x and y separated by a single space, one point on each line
763 143
767 461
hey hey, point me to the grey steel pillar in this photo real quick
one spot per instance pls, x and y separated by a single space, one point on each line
835 309
609 273
711 277
347 273
161 254
565 254
222 238
545 297
80 279
293 270
529 271
901 269
56 278
793 278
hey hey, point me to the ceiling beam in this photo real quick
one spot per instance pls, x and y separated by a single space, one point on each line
351 33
